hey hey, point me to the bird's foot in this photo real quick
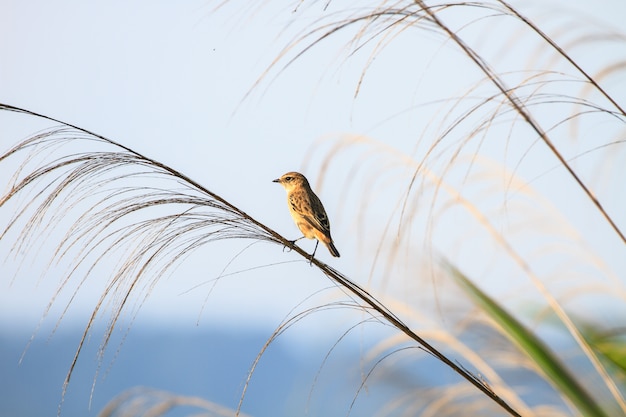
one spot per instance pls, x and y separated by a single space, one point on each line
293 242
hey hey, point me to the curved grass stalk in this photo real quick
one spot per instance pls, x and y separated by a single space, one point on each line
475 358
430 14
291 319
503 242
151 402
202 211
564 54
519 107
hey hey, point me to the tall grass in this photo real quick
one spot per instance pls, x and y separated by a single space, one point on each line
155 241
474 181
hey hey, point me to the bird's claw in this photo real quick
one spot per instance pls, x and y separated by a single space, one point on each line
293 242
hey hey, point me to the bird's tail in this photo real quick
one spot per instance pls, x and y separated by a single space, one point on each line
332 249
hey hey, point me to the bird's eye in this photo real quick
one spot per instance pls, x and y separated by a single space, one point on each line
288 179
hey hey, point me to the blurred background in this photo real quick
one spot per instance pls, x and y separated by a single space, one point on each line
394 131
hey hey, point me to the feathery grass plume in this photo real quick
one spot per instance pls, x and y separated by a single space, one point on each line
149 214
547 100
143 401
384 20
554 241
520 108
125 206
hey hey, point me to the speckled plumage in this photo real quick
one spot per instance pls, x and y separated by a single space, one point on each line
307 210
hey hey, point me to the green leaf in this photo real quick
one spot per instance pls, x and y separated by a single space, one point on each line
532 346
612 346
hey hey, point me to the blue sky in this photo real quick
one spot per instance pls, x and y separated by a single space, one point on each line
171 81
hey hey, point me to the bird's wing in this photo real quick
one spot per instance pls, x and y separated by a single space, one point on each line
319 219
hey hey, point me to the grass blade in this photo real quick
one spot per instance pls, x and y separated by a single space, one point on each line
556 373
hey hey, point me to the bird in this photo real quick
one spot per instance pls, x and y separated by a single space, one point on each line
307 211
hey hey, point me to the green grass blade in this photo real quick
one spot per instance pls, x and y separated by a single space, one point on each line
610 345
532 346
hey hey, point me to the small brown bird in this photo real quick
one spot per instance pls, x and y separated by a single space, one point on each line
307 211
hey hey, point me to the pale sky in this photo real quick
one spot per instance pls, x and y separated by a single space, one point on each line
168 79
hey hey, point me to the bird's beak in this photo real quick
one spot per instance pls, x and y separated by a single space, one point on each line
276 180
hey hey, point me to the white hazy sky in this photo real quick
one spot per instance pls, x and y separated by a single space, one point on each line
168 79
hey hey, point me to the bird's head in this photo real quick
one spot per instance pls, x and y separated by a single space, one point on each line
292 180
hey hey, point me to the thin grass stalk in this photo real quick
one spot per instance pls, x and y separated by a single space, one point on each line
510 250
248 228
564 54
362 294
291 320
518 105
147 402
